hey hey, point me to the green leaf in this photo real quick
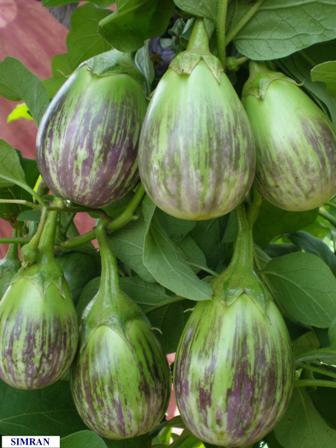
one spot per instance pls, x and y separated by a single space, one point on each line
84 40
207 235
128 245
167 263
145 64
273 221
304 287
83 439
20 111
194 255
326 73
177 229
315 246
302 425
202 8
304 343
145 293
47 411
326 355
11 172
18 83
282 27
170 320
324 400
135 21
143 442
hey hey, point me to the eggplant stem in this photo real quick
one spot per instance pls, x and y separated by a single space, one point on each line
221 30
316 383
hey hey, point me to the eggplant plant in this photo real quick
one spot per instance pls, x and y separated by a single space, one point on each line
169 258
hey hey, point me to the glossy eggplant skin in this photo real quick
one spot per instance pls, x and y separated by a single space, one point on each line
296 142
233 372
196 149
234 368
87 140
120 379
38 326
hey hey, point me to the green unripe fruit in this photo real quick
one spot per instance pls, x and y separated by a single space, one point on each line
234 370
120 378
296 142
38 322
196 150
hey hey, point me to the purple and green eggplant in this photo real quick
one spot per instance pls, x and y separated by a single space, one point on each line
38 321
120 379
9 266
196 151
87 140
234 370
296 142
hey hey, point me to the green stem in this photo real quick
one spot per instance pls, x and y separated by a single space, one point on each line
122 220
243 21
242 260
128 214
316 383
109 273
254 208
316 370
221 29
13 240
47 239
328 216
19 202
243 251
199 39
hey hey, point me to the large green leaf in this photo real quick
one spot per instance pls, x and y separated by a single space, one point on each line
167 263
84 40
83 439
304 287
273 221
302 425
18 83
47 411
135 21
128 245
313 245
201 8
282 27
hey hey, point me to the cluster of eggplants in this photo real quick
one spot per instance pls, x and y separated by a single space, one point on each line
234 372
38 321
196 149
296 142
87 139
120 378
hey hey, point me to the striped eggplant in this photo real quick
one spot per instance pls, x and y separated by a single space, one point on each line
196 150
234 372
296 142
38 323
9 266
120 378
88 136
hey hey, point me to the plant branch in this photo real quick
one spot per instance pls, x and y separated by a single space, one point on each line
316 383
221 29
14 240
19 202
124 218
328 216
243 21
318 370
